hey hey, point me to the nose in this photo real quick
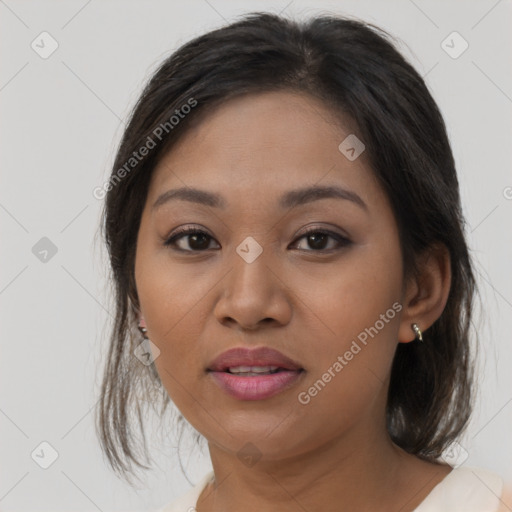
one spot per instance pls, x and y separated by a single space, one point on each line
253 295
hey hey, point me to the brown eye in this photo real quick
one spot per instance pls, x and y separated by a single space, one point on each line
318 240
321 240
190 240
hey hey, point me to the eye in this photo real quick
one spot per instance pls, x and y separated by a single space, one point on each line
196 239
322 240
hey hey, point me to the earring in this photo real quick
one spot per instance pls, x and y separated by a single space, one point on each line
417 331
143 330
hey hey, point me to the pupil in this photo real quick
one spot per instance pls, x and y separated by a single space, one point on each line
317 240
198 241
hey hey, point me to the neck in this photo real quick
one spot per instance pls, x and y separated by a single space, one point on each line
362 470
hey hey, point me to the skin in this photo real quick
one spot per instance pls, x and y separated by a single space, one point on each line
307 301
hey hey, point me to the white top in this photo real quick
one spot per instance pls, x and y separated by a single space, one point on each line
464 489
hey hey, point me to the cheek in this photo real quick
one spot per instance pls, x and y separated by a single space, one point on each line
176 331
174 314
169 293
352 294
352 322
177 304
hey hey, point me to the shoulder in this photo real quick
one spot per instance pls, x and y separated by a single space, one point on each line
187 502
506 498
465 489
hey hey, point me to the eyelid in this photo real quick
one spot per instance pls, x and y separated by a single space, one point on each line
321 229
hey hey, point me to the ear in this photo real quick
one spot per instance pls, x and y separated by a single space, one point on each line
426 292
142 321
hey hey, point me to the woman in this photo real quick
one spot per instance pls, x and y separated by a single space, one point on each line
285 230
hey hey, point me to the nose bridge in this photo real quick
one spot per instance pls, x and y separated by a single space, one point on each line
250 279
251 291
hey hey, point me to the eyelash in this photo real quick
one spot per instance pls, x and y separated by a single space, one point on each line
183 232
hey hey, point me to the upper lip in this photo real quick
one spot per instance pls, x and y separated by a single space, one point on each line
261 356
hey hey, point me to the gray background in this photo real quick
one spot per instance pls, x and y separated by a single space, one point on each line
61 120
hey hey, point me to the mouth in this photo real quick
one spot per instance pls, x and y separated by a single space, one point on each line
254 374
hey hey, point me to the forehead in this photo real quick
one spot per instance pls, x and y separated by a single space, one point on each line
266 141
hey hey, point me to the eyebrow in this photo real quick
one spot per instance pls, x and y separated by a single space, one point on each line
288 200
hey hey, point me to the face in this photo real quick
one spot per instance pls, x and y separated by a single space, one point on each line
265 264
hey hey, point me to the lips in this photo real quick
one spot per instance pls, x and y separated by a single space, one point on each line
253 358
254 374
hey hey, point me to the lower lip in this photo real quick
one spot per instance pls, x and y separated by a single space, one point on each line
256 387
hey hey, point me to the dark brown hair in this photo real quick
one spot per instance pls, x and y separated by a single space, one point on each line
355 69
